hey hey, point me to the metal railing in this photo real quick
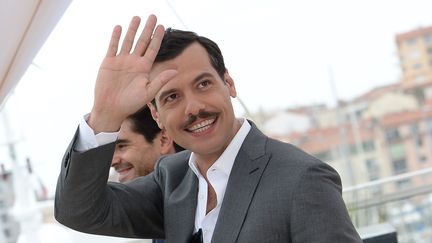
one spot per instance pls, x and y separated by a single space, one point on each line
404 201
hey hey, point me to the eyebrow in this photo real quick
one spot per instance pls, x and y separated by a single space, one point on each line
197 78
122 141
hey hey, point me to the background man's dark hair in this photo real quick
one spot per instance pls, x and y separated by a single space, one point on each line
144 124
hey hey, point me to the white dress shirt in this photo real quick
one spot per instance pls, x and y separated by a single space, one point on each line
217 174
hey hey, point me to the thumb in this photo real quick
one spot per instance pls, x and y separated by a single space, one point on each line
159 81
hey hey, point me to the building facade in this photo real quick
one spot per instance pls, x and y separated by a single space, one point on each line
415 55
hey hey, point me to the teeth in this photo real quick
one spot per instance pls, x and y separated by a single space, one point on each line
202 126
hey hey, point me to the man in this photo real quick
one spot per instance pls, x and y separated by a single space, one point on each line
139 145
233 185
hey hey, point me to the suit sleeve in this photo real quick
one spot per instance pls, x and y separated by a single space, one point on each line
319 213
84 201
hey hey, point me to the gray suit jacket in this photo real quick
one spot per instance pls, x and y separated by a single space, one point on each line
275 193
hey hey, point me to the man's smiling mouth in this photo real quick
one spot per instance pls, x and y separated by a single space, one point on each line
202 126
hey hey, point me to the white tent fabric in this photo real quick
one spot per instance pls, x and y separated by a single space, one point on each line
25 25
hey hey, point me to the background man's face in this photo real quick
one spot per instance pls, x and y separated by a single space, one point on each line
133 155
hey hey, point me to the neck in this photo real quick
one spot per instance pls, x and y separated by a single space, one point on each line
204 162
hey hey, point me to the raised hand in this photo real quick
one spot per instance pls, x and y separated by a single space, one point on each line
123 84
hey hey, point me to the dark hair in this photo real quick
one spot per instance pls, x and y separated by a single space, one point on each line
176 41
144 124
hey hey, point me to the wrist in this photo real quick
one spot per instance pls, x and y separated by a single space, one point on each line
103 122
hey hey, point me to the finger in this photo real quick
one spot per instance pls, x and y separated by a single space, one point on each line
130 35
159 81
145 36
153 48
113 45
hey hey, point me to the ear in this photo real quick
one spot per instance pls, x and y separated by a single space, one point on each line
155 114
166 143
230 83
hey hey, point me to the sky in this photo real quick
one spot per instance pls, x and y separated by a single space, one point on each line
279 52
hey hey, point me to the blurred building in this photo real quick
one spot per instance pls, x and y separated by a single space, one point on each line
415 55
380 143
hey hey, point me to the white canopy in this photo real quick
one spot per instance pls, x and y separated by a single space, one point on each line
24 27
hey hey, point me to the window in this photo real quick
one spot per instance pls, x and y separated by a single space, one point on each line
428 38
372 168
353 149
429 123
429 126
417 66
397 151
419 142
392 135
422 159
368 145
411 42
414 128
399 166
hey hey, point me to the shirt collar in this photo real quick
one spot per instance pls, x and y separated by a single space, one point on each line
225 162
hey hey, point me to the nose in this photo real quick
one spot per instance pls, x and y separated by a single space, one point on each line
116 159
193 106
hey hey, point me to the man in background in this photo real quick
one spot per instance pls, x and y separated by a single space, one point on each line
139 145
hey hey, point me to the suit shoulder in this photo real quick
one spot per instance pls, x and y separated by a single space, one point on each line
289 158
174 160
174 164
172 169
287 151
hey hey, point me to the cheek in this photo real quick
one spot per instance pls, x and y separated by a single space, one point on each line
133 155
221 101
171 119
123 154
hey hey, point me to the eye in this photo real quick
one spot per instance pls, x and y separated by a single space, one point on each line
204 83
121 146
171 97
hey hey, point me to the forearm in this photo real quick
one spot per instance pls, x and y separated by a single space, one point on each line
82 186
85 202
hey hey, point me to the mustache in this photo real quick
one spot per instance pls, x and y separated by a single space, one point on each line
201 114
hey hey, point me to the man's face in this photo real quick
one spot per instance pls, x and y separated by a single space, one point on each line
133 155
195 107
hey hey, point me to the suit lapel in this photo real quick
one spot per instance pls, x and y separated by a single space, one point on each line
181 210
244 178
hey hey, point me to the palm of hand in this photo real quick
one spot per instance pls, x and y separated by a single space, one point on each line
123 82
123 85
